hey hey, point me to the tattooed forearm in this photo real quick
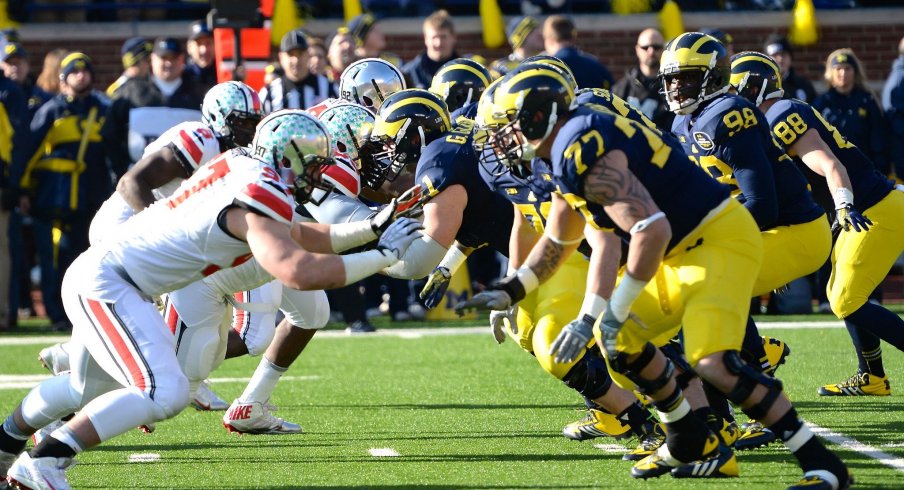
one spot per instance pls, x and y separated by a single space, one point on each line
610 183
545 258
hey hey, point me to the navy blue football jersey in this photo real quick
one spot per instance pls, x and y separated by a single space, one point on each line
468 111
681 190
791 118
452 160
730 139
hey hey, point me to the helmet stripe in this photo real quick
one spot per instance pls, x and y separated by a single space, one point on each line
423 100
462 66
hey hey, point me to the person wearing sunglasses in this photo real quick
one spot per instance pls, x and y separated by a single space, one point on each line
640 86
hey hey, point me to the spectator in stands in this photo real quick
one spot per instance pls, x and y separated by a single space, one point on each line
13 151
439 41
850 106
795 86
66 178
297 88
340 53
641 86
202 62
559 34
146 107
49 78
369 39
136 53
317 61
16 67
725 38
893 103
524 38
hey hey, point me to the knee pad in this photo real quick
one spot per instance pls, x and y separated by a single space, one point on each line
198 350
675 353
748 379
648 386
589 376
309 310
171 395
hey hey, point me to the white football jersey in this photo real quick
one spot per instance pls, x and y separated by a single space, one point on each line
194 144
179 240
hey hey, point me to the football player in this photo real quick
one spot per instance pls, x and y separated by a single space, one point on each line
230 112
677 217
233 208
838 171
729 138
460 83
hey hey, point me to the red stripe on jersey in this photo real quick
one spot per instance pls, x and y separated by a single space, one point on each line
269 201
119 344
191 146
171 316
340 174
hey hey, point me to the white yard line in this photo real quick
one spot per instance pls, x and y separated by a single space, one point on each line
416 333
611 448
852 444
383 452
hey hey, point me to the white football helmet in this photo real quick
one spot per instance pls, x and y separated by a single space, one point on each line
232 110
297 140
349 126
369 82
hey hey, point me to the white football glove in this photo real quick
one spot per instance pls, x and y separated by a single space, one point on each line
497 322
399 236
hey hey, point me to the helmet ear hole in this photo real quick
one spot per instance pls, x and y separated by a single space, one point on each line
367 101
341 147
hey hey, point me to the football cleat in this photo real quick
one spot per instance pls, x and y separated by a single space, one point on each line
596 423
255 418
755 435
39 473
206 399
720 463
360 326
45 431
648 445
822 480
776 354
729 433
860 384
54 359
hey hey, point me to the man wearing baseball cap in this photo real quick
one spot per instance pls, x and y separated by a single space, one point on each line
796 86
150 102
66 177
202 63
136 52
525 39
297 87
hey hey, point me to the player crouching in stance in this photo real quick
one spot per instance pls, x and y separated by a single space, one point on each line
231 209
674 216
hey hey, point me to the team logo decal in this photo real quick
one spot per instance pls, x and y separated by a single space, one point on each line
703 141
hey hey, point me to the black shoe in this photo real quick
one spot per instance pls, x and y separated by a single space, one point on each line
62 326
360 327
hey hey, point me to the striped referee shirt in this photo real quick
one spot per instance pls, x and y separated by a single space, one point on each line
283 93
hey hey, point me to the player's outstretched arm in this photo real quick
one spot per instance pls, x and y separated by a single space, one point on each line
152 171
279 254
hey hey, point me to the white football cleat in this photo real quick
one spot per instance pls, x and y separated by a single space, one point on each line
39 473
206 399
45 431
255 418
54 358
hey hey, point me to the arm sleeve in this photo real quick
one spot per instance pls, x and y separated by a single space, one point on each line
753 172
38 129
338 208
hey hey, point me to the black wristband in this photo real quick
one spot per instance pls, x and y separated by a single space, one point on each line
513 287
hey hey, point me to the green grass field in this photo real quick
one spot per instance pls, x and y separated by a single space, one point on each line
460 412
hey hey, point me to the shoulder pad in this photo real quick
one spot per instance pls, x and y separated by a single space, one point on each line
269 198
343 175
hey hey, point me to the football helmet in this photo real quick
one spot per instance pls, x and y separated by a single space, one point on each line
349 126
408 121
756 77
296 140
694 68
555 63
531 98
232 110
369 82
460 82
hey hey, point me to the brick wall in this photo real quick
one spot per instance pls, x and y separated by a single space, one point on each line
874 36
